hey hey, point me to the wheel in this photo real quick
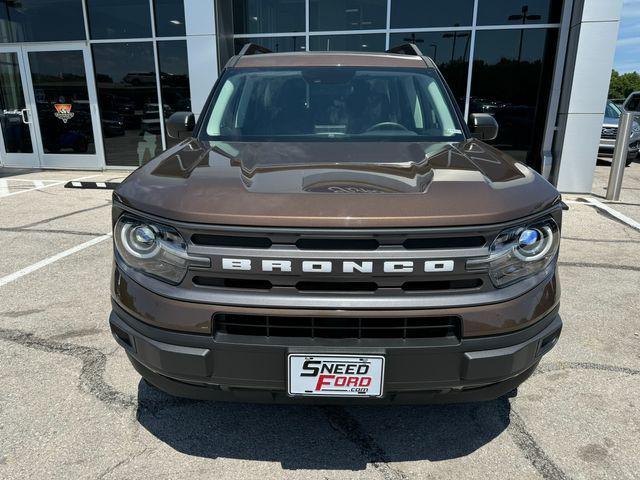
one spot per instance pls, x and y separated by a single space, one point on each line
631 159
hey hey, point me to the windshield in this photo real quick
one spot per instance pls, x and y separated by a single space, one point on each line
328 103
612 110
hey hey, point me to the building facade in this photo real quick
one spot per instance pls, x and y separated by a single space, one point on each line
90 83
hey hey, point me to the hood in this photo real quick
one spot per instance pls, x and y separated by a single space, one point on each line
336 184
610 122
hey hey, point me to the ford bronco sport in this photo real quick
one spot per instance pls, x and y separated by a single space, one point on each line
331 230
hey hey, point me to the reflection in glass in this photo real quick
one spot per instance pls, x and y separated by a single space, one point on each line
169 18
174 80
62 101
518 12
412 14
119 18
320 104
41 20
370 42
275 44
347 14
449 50
128 99
511 68
268 16
15 131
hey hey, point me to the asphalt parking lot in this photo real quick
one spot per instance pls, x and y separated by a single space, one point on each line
71 406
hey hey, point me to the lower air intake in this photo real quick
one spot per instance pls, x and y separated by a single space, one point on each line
338 327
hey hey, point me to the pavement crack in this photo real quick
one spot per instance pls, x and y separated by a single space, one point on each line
66 215
595 240
527 443
91 380
49 232
600 265
92 373
532 450
124 461
92 370
555 366
344 423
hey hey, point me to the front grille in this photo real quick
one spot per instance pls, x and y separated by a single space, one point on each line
338 243
353 264
338 327
339 286
231 241
609 132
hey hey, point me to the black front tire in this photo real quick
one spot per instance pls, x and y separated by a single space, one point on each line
631 159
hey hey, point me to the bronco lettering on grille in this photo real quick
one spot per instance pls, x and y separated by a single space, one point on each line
328 266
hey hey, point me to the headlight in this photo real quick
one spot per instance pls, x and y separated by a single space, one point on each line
154 249
635 127
520 252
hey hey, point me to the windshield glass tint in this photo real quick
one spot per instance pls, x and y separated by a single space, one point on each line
612 111
327 103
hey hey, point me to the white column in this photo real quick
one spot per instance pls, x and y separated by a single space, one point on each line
201 50
590 53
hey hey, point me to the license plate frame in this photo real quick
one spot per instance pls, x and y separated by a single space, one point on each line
355 383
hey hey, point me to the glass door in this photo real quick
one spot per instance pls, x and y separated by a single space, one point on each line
17 139
63 105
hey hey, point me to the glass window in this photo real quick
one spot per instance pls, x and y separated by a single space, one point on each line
449 50
512 70
174 80
169 18
520 12
119 18
268 16
15 131
412 14
347 14
275 44
128 99
370 42
325 103
41 20
611 110
62 101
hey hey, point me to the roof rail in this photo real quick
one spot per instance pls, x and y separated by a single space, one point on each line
252 49
247 49
406 49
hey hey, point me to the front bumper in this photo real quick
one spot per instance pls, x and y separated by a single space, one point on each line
232 368
608 145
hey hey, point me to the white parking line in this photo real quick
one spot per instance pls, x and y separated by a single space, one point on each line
614 213
4 187
11 179
48 261
2 195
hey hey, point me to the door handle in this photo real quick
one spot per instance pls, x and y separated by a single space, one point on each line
22 114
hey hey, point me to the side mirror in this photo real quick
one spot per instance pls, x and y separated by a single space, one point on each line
483 126
632 103
180 125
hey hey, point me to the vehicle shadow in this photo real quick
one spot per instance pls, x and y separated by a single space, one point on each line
314 437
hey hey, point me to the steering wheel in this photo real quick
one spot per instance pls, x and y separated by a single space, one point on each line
387 126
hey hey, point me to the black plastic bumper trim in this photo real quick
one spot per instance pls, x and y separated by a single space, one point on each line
234 365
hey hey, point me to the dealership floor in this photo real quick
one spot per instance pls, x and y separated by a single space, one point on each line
71 406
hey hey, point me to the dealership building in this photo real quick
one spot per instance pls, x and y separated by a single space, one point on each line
88 84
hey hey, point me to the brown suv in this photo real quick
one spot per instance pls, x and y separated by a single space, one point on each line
331 230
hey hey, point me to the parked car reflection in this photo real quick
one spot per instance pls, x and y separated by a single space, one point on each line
610 133
112 124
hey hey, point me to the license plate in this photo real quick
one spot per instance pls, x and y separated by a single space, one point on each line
336 375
